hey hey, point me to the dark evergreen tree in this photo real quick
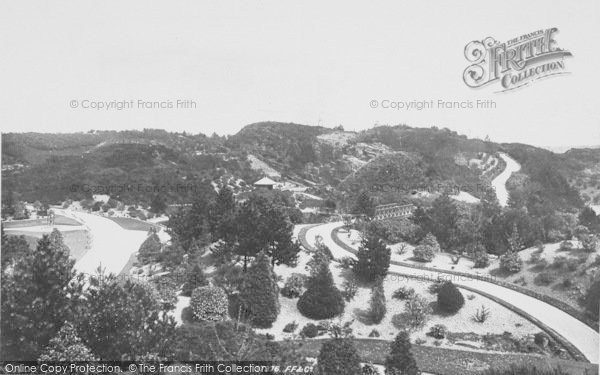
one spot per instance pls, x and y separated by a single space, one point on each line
321 300
373 258
12 248
259 292
222 215
124 320
449 298
338 356
444 217
400 361
38 296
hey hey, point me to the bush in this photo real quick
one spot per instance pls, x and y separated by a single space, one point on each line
400 360
294 286
149 248
565 246
438 331
427 248
541 339
321 300
194 278
369 369
209 303
374 333
309 330
403 293
290 327
481 315
545 278
417 310
481 259
511 262
347 262
449 298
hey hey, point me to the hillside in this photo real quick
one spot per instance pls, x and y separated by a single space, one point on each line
399 158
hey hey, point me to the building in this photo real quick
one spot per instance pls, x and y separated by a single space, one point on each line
387 211
265 183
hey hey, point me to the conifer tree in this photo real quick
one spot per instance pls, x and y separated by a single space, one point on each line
400 360
67 346
373 258
259 292
321 300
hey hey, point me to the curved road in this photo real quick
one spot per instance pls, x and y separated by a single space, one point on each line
576 332
499 183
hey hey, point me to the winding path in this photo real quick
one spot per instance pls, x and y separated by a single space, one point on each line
580 335
499 183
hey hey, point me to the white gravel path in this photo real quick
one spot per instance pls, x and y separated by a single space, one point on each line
575 331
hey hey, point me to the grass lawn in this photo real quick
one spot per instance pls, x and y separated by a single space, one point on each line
76 240
58 220
451 361
133 224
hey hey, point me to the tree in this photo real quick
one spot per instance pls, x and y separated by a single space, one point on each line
150 248
259 292
400 361
12 248
189 224
209 303
338 356
123 320
373 258
588 218
263 226
377 303
364 205
444 217
449 298
514 240
321 300
194 278
67 346
222 215
38 296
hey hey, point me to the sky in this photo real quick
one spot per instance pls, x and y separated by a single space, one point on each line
307 62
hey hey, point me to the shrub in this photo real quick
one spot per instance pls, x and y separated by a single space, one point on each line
347 262
541 339
149 248
209 303
535 257
338 356
511 262
321 300
374 333
481 315
545 278
377 308
449 298
309 330
481 259
294 286
424 253
438 331
350 288
565 246
403 293
435 286
290 327
417 310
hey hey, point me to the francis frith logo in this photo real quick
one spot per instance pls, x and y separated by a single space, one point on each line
515 63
